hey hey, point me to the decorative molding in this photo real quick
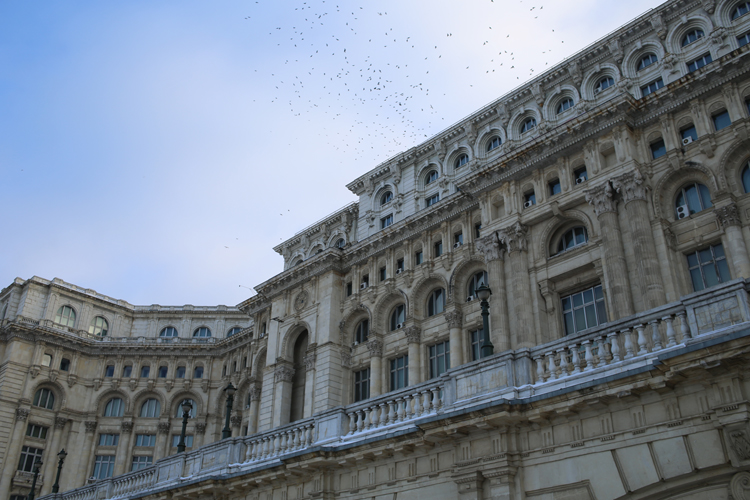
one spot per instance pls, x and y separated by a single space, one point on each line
728 215
300 301
163 428
200 428
127 427
60 422
631 186
515 237
254 393
309 361
740 486
22 414
236 420
90 426
740 444
490 247
283 373
602 199
453 318
413 334
375 347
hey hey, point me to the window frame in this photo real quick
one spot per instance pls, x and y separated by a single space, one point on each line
699 34
168 330
151 408
528 125
66 316
362 384
603 84
702 196
597 304
720 115
651 62
383 200
694 64
563 247
431 200
117 409
386 221
44 398
398 312
141 462
658 148
29 455
99 328
431 177
362 331
399 372
565 104
493 143
721 272
439 358
104 466
436 302
656 84
737 10
202 332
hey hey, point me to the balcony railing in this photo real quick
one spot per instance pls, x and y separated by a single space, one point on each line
614 349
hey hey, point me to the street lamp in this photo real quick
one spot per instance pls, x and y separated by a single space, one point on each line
37 466
484 292
227 431
61 456
186 409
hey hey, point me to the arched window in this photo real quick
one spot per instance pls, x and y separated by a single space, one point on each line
647 61
362 331
44 399
114 408
692 36
740 10
168 331
99 327
233 331
461 161
475 282
341 243
692 198
66 316
198 372
151 408
431 176
436 302
298 262
398 316
565 105
604 84
572 238
386 198
194 408
493 143
202 332
528 124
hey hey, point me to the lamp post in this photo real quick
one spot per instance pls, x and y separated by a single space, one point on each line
37 466
186 409
484 292
227 431
61 456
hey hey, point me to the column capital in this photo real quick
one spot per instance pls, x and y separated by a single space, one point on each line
514 237
255 393
283 373
200 428
126 427
728 215
309 361
453 318
22 414
602 199
413 334
375 347
90 426
490 247
60 422
631 186
162 427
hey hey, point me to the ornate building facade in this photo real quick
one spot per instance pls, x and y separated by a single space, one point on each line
606 205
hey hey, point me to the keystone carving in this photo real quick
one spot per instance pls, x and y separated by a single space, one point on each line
283 373
21 414
718 35
200 428
728 215
413 334
375 347
602 199
454 319
630 186
490 247
708 5
575 72
616 50
127 427
90 427
346 358
514 237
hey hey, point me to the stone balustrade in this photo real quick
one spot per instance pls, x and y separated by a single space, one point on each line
295 437
133 481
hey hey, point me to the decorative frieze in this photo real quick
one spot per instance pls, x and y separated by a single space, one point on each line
90 426
728 215
200 428
283 373
60 422
236 420
126 427
162 428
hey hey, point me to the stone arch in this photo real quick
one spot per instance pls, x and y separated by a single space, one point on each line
102 399
460 276
633 58
141 398
313 251
549 109
421 186
591 80
177 399
57 390
258 362
455 153
421 290
695 20
561 223
290 337
296 256
484 138
335 236
376 206
352 318
731 165
518 118
380 317
665 190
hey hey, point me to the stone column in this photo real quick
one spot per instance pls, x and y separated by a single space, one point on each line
514 237
309 362
123 449
87 458
50 460
492 249
252 424
162 440
199 436
282 394
633 190
729 218
13 450
376 367
454 319
413 337
615 266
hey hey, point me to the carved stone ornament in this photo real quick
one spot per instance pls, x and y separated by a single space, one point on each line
375 347
708 5
670 62
90 426
283 373
616 50
575 72
718 35
21 414
657 21
162 428
728 215
740 444
453 319
236 420
300 301
60 422
255 393
413 334
309 361
740 486
200 428
342 326
490 247
514 237
631 186
126 427
602 199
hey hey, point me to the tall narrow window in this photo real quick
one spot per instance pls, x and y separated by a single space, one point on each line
127 371
163 370
398 316
383 274
708 267
688 134
746 178
198 372
475 282
580 175
180 372
476 337
438 249
386 221
362 385
44 399
584 310
66 316
721 120
493 143
436 302
418 257
440 358
151 408
145 371
554 187
109 371
658 149
399 372
99 327
529 199
104 466
361 332
114 408
691 199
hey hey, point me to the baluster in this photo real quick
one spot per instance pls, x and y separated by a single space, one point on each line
564 368
368 418
601 357
671 336
425 402
589 356
374 416
248 451
684 327
539 369
309 435
410 406
276 444
267 447
352 423
261 448
614 347
391 412
642 342
383 419
656 335
576 358
401 405
417 404
436 402
629 348
551 365
283 442
360 420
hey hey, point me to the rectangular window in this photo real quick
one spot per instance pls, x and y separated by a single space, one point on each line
554 187
382 274
28 457
689 132
743 39
145 370
475 339
432 200
140 463
458 239
348 288
708 267
104 466
65 365
126 371
580 175
478 230
109 439
365 281
400 265
36 431
699 63
584 310
418 257
176 441
362 385
652 87
163 371
721 120
658 149
529 199
386 221
109 371
440 358
198 372
438 248
180 373
399 372
145 440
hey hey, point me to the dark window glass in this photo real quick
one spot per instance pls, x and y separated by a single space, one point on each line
145 371
382 274
65 364
584 310
399 373
109 439
180 373
169 331
692 36
493 143
529 124
348 288
461 161
432 200
529 199
692 199
400 265
689 132
699 63
386 198
362 385
436 302
647 61
198 372
36 431
398 316
29 455
127 370
163 371
475 339
604 83
708 267
740 10
104 466
478 230
109 371
721 120
475 282
658 149
743 40
361 332
418 257
580 175
572 238
386 221
140 462
431 177
746 178
44 399
565 105
438 247
652 87
114 408
554 187
440 358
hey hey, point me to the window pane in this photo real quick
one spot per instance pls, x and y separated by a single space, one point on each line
588 296
577 300
723 270
692 260
601 311
580 319
705 256
695 275
590 316
709 273
694 203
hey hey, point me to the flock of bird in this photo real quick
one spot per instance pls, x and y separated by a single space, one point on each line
363 78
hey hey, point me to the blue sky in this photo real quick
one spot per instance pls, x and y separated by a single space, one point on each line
156 151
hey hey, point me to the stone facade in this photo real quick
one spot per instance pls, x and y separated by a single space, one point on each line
611 234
